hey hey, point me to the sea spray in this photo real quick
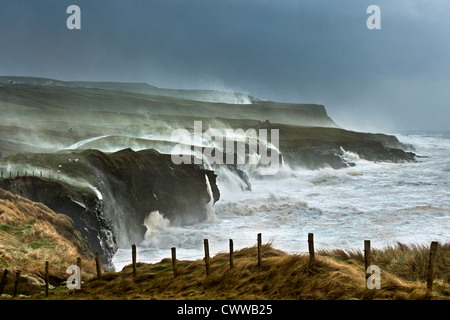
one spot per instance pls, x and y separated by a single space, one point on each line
382 201
229 183
79 144
348 155
155 223
210 212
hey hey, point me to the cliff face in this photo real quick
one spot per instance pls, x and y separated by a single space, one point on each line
109 195
319 147
136 183
84 209
30 234
130 184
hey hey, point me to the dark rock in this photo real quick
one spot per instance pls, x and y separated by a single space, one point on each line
82 207
321 147
132 185
137 183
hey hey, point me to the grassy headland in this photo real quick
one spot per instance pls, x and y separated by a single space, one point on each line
336 274
30 234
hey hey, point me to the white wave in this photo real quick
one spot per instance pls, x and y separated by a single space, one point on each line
210 212
348 155
384 202
155 223
83 142
229 184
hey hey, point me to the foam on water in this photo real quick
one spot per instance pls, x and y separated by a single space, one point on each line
383 202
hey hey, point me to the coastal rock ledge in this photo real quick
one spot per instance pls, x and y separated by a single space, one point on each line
108 196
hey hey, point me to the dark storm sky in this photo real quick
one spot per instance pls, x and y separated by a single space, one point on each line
311 51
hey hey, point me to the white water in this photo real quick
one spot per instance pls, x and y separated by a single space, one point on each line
81 143
383 202
210 210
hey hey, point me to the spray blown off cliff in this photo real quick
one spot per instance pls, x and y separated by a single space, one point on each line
101 152
109 196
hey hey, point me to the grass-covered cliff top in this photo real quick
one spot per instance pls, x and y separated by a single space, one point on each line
336 274
30 234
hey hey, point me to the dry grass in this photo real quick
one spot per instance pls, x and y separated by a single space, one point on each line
30 234
335 275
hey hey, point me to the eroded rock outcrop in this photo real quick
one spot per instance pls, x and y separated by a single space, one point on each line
108 196
135 183
81 205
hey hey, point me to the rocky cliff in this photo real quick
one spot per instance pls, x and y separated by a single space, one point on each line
313 147
108 196
135 183
30 234
86 211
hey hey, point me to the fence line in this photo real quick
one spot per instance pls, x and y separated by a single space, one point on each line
206 257
311 252
33 174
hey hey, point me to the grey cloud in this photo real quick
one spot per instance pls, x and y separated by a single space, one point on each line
294 51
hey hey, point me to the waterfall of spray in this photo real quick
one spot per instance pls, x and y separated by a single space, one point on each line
85 141
348 155
155 223
210 211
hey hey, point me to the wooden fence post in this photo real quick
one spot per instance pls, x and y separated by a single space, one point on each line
207 262
16 283
367 257
133 256
431 263
174 261
79 266
3 282
98 266
259 243
311 248
231 254
46 278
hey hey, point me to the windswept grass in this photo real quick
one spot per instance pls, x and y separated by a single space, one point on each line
336 274
30 234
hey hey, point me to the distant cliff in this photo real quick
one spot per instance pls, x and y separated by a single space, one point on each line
314 148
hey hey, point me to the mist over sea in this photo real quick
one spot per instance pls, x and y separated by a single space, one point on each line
382 202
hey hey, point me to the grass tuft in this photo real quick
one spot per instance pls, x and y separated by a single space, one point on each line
336 274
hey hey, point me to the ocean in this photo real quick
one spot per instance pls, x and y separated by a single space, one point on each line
378 201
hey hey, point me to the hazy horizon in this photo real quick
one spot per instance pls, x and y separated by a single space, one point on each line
390 80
